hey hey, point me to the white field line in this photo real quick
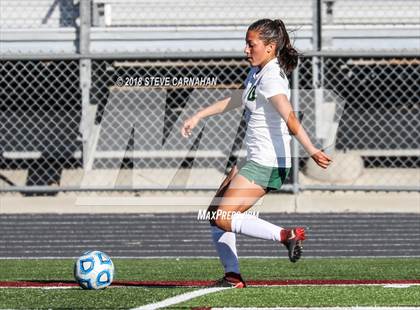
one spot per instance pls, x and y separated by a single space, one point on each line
181 298
41 287
397 285
58 287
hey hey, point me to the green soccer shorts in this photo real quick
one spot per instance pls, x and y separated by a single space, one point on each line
269 178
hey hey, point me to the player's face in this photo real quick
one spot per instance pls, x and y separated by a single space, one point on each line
257 53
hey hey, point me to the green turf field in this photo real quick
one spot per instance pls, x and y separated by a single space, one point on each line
209 269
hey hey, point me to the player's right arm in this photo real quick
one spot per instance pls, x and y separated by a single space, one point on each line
221 106
283 106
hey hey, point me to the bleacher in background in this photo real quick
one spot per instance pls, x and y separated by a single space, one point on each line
27 14
137 13
298 12
50 26
197 13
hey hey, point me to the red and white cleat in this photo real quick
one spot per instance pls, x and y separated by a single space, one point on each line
293 240
231 279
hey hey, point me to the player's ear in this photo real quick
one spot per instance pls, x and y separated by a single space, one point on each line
270 47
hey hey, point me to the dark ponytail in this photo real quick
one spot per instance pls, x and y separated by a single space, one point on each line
286 54
274 31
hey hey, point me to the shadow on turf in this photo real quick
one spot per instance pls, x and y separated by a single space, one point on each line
207 283
59 283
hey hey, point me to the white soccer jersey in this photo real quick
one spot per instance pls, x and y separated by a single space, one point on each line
267 136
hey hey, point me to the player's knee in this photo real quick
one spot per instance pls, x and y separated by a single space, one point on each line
220 223
222 220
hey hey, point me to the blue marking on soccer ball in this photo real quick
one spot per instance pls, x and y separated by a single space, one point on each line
84 270
85 284
100 282
103 258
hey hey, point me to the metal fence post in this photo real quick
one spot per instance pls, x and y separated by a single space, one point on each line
316 25
316 41
85 75
295 143
317 62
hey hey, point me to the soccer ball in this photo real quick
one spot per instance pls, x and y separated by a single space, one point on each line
94 270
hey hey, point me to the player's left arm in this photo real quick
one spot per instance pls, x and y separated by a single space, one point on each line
283 106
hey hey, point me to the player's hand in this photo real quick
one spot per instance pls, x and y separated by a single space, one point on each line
321 159
188 126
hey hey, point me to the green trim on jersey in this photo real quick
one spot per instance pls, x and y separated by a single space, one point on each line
269 178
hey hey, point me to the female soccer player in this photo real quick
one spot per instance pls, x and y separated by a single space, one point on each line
270 123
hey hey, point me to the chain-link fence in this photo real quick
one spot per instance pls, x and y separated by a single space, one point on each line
90 121
40 115
135 142
377 140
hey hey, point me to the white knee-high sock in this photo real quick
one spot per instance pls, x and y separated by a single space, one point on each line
253 226
225 243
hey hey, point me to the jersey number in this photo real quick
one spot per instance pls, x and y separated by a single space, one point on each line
251 93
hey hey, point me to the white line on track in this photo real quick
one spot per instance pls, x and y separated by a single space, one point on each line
181 298
399 285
